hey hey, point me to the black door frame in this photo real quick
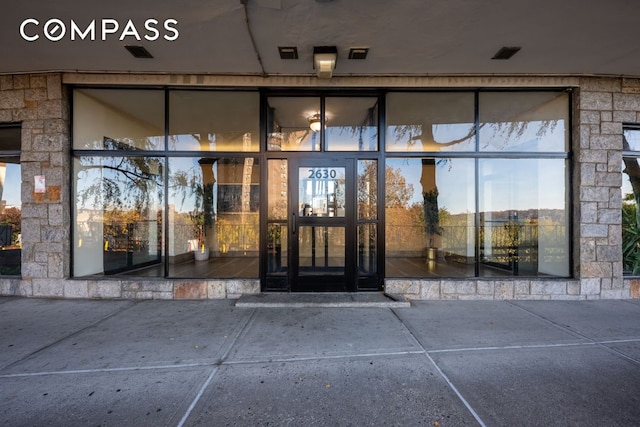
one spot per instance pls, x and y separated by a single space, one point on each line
356 281
321 282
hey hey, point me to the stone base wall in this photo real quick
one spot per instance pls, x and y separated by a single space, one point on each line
516 288
130 289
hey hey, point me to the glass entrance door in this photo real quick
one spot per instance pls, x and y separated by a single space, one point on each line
321 225
321 231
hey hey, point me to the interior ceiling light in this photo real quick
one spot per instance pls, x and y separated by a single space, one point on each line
288 52
138 51
506 52
358 52
314 122
324 60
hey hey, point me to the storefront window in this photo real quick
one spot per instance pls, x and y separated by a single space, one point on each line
118 214
351 124
214 121
479 211
429 205
289 124
524 121
10 201
630 201
118 119
430 122
213 217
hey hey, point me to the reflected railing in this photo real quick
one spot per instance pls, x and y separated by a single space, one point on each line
505 245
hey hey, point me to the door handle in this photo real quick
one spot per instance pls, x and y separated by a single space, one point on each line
293 223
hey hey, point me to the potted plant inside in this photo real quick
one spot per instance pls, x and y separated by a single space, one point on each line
432 222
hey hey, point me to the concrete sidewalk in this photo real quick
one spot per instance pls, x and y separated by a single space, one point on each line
209 363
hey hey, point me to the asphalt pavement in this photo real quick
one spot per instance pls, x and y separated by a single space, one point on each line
210 363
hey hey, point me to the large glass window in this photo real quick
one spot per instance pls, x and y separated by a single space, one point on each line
524 121
118 214
351 124
523 217
430 122
429 205
213 217
293 124
631 201
474 207
10 201
214 121
166 213
118 119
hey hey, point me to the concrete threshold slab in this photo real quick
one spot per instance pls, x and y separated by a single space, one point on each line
328 299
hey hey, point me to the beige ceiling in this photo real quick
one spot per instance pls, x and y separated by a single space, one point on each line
404 37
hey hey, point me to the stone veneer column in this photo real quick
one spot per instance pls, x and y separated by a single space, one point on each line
39 102
603 106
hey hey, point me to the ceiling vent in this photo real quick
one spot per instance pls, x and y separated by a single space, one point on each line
138 52
288 52
506 52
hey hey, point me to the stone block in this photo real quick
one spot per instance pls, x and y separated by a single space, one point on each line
21 81
402 287
544 287
50 110
594 230
595 269
614 294
609 216
235 288
611 128
608 253
12 99
24 114
216 290
568 297
614 161
626 101
105 289
592 156
429 290
587 251
55 215
76 289
606 116
6 82
588 174
522 287
573 288
634 288
589 117
504 290
37 94
594 194
466 287
6 116
624 116
48 288
485 287
596 100
608 179
54 86
37 81
589 212
590 286
34 270
163 295
190 290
